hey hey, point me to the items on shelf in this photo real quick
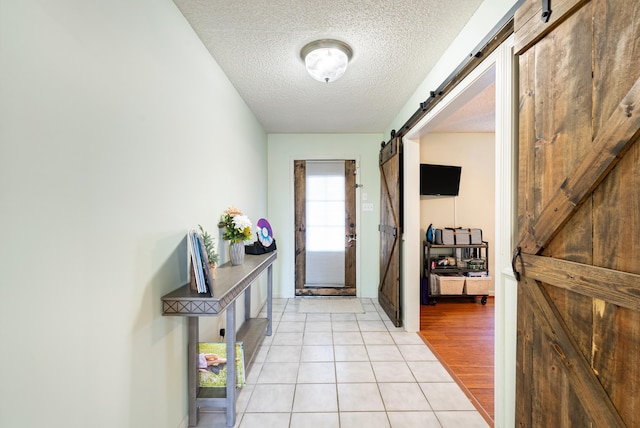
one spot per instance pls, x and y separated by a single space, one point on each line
454 236
201 276
265 243
477 285
212 364
456 269
476 264
447 284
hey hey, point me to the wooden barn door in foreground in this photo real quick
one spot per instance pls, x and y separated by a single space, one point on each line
578 328
390 229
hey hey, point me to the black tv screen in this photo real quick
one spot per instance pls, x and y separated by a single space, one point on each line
440 180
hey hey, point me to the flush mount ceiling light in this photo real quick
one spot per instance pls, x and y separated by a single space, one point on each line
326 60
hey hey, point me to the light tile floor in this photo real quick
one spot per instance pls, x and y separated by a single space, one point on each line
343 371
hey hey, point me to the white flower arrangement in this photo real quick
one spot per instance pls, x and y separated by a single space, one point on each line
241 222
237 225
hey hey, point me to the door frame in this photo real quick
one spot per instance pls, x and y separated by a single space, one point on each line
505 216
316 157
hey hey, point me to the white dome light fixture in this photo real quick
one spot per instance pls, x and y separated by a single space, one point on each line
326 60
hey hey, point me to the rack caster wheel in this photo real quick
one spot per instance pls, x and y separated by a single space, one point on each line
484 300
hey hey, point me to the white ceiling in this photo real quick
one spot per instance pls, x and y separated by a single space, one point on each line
395 43
477 115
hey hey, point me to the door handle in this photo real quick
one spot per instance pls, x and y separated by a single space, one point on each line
351 235
516 254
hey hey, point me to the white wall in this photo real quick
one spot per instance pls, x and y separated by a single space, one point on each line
283 150
118 133
475 204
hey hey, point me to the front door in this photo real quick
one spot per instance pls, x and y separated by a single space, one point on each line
578 214
325 227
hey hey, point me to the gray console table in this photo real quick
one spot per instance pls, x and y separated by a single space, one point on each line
229 284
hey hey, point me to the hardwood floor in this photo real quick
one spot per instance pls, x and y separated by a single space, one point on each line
461 334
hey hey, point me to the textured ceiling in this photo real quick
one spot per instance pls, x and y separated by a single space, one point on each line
395 43
477 115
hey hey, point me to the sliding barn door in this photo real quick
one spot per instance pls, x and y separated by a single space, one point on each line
390 229
578 356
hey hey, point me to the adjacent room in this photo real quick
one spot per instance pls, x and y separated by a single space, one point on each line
457 155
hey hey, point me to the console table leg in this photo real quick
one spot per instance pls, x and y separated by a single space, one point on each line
269 299
192 368
231 365
247 303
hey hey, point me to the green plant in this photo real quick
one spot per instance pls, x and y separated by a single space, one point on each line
209 245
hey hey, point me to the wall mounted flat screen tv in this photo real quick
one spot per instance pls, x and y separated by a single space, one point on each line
440 180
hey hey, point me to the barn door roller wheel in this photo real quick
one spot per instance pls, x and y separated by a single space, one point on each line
546 10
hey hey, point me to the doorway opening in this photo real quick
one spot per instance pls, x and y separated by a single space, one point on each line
456 140
500 67
325 218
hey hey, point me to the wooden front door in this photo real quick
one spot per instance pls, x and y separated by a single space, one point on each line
350 237
390 229
578 214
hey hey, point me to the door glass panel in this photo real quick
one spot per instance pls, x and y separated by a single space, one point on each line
325 228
